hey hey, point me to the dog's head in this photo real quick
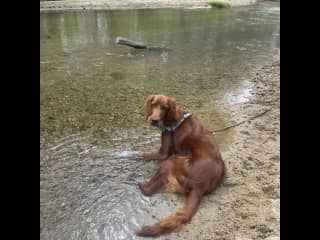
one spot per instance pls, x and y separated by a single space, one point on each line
160 109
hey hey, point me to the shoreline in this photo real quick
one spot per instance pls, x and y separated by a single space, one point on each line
247 204
67 5
250 194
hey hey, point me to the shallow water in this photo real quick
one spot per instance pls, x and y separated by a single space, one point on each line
92 94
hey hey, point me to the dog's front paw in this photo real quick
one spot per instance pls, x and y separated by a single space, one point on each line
135 156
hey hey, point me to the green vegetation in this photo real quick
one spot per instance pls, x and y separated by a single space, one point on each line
219 4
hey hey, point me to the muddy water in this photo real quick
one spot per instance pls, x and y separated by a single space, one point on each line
92 94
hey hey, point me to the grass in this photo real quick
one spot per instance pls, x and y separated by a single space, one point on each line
219 4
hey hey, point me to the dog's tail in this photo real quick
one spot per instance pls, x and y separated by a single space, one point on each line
173 221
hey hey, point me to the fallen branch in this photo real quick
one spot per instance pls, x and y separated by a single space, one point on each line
237 124
127 42
137 45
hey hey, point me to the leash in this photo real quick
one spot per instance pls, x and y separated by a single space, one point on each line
239 123
164 128
185 116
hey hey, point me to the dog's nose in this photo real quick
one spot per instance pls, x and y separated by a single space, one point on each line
154 122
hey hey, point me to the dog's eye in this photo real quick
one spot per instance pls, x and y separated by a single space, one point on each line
164 107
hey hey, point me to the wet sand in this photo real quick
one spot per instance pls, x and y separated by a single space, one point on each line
130 4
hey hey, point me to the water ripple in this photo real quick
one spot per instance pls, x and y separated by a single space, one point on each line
90 191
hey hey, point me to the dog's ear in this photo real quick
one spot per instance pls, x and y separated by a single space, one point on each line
148 105
172 112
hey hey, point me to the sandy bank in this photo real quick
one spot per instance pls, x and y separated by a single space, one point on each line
247 205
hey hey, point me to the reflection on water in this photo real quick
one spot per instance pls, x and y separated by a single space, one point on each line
92 94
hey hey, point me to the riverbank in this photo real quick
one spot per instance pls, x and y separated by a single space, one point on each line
130 4
247 205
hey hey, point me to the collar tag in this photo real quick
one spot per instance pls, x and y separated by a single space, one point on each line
163 128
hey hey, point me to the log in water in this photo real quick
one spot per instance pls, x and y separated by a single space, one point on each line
127 42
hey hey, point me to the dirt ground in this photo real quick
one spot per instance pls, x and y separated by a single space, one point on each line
130 4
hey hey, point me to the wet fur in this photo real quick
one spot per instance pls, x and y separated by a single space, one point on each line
195 170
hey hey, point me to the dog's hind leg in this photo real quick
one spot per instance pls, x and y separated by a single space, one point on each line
157 180
151 186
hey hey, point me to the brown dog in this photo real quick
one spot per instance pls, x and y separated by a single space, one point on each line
191 162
